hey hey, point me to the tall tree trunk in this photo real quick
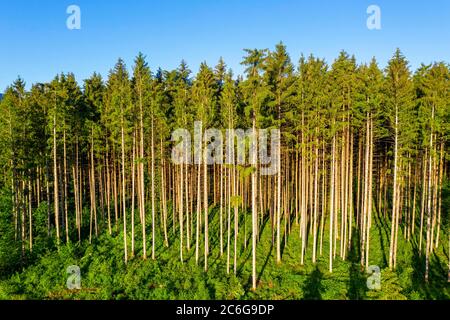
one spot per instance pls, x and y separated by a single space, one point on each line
30 216
142 181
55 182
163 194
332 186
133 165
394 220
205 204
181 210
254 204
429 205
199 200
66 216
124 213
153 189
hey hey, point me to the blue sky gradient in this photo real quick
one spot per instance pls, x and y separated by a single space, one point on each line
36 44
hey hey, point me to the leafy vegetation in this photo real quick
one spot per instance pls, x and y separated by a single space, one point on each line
104 274
359 179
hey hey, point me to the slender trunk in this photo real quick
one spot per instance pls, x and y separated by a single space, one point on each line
163 195
439 186
429 205
394 220
153 189
133 160
55 182
205 205
221 196
30 217
316 198
142 181
123 193
254 209
180 210
199 200
332 186
66 216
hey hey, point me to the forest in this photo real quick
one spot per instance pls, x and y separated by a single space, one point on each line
362 182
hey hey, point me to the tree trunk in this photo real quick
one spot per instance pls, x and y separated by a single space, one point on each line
55 181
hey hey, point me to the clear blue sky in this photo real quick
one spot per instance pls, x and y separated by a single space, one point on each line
37 45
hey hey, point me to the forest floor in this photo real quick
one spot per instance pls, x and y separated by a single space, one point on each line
104 275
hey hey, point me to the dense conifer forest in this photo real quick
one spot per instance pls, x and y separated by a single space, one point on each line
361 186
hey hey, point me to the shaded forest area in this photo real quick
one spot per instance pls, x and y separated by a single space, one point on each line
87 179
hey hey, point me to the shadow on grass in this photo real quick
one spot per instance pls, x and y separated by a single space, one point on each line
313 288
357 286
436 288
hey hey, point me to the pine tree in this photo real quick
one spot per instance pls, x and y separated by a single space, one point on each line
399 112
368 119
94 91
142 101
203 99
280 81
255 95
119 98
434 88
360 147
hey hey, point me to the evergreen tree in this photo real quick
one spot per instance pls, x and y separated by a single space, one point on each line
400 113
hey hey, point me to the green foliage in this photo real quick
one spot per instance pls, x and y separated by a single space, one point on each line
104 275
391 289
312 105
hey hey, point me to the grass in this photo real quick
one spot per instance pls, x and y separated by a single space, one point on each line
104 274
